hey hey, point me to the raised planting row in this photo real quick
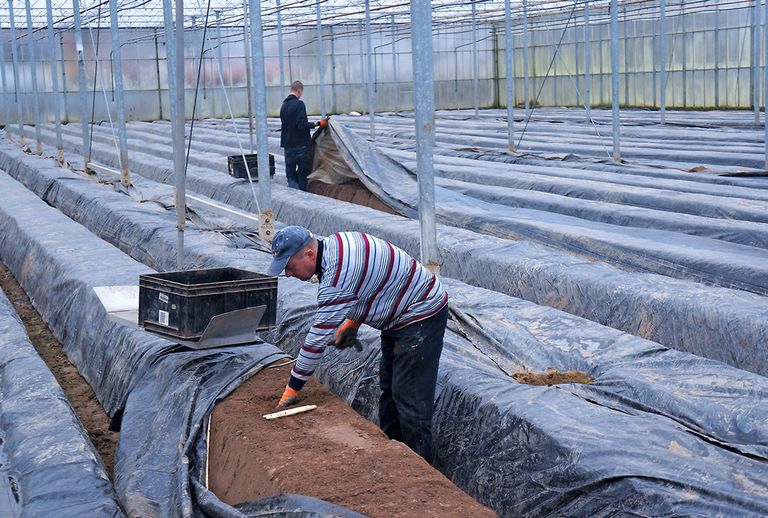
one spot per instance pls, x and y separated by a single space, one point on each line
656 432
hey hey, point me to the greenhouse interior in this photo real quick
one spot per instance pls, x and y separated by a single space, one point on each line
331 258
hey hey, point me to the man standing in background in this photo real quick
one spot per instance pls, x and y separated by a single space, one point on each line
294 137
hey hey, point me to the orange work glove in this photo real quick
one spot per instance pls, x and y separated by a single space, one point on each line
323 122
290 397
346 336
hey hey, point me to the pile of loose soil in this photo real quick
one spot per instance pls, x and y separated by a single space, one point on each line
81 397
353 192
552 376
330 453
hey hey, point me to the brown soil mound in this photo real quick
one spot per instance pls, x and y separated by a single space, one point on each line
552 377
77 390
330 453
353 192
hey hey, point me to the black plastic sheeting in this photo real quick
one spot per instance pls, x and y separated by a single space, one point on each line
647 142
162 391
721 324
668 253
48 466
659 432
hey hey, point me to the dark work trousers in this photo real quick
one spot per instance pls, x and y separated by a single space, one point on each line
297 166
408 375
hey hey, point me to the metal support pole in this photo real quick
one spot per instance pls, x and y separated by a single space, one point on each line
248 84
81 82
320 70
266 220
684 46
117 73
510 87
57 96
16 83
587 63
170 59
178 135
394 66
475 66
756 63
6 104
424 104
334 105
615 77
765 81
369 75
280 49
33 71
169 39
662 61
717 55
363 72
526 89
63 77
626 58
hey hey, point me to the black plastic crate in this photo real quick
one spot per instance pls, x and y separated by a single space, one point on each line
237 166
181 304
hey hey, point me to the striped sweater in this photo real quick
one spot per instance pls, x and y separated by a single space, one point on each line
370 281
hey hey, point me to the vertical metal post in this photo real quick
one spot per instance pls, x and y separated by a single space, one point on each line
765 81
475 66
117 73
615 77
394 66
5 111
178 135
170 60
33 70
321 85
510 87
424 104
63 77
525 61
717 55
193 30
662 61
159 85
266 220
626 59
369 75
248 83
6 103
554 67
756 64
57 96
363 72
334 105
16 82
587 63
684 46
81 82
280 49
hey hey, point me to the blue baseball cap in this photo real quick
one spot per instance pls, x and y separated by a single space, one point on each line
286 243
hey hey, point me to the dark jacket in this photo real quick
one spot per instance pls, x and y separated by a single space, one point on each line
295 126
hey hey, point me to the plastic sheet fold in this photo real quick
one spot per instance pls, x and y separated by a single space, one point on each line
48 466
659 432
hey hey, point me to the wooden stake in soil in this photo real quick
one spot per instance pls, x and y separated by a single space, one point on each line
290 411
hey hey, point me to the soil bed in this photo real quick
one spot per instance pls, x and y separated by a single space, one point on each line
77 390
330 453
352 192
552 377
